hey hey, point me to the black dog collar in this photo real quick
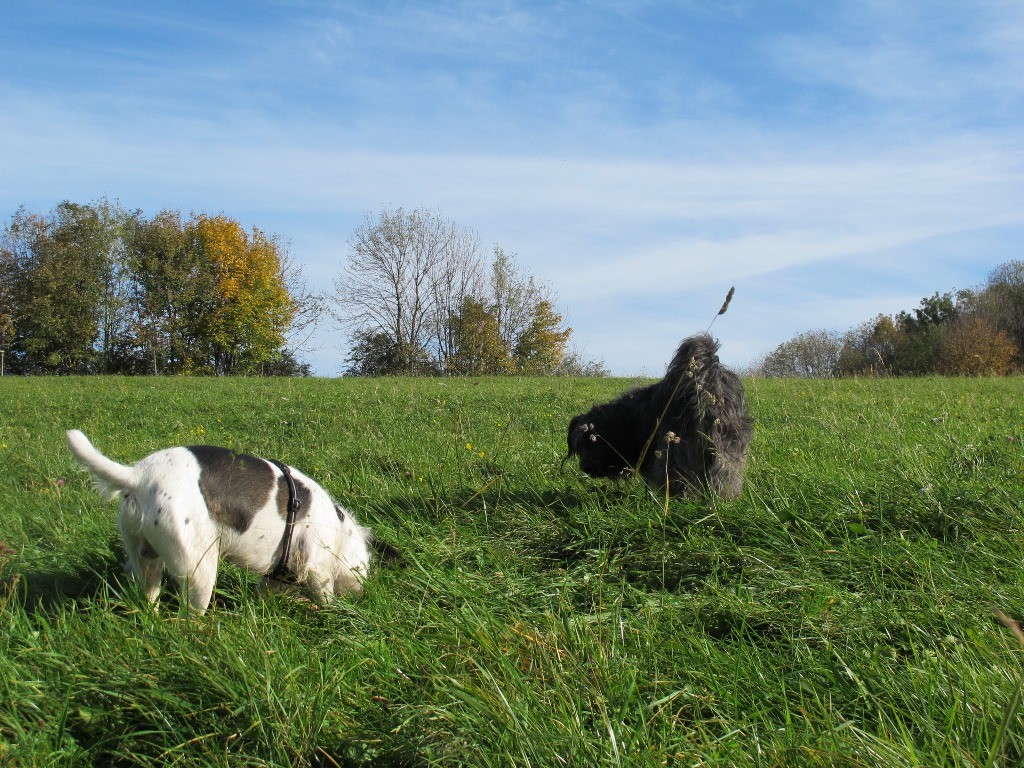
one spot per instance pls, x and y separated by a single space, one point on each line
281 569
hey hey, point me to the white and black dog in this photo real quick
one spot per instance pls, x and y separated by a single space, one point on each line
183 508
690 430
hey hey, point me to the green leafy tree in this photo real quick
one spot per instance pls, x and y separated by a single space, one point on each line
479 347
105 224
172 288
7 298
58 269
870 349
377 354
285 363
93 288
919 334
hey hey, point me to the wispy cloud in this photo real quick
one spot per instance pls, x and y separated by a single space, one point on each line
912 63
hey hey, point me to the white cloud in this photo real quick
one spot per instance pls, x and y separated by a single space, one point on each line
914 63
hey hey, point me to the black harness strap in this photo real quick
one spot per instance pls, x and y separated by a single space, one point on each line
281 569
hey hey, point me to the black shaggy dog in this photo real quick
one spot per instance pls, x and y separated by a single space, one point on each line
691 429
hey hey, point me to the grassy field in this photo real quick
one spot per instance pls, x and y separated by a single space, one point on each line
841 612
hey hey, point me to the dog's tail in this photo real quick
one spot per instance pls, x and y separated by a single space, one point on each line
112 477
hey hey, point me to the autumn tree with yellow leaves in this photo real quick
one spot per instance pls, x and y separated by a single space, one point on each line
249 309
540 350
973 346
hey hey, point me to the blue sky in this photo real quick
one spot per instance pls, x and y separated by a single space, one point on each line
831 160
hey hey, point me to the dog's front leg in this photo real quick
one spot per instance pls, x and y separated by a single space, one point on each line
197 573
200 586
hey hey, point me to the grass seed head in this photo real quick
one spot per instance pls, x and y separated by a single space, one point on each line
728 298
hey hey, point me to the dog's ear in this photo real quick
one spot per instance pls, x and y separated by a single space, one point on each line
387 553
573 438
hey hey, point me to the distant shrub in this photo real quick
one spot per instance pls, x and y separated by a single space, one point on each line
975 347
869 349
809 355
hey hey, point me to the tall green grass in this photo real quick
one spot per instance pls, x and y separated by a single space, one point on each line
841 612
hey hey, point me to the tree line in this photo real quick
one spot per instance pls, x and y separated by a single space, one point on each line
972 332
99 289
96 288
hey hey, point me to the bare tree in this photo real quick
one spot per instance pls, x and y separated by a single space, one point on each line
407 270
458 277
309 306
516 297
